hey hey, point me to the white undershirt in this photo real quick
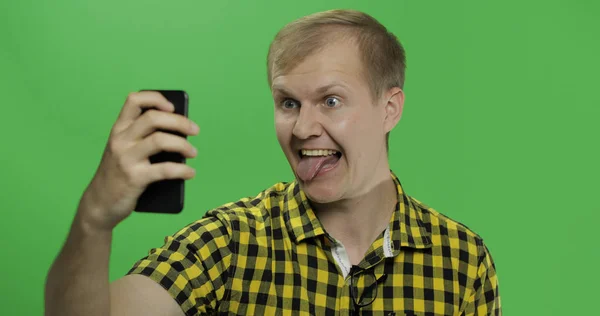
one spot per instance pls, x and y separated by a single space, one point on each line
341 255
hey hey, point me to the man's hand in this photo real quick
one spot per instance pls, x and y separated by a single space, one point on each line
125 170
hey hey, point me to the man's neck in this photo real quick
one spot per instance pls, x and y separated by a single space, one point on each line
357 222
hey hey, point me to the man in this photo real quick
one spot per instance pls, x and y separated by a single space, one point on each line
343 238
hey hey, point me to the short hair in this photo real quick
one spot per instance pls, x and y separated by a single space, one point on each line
382 54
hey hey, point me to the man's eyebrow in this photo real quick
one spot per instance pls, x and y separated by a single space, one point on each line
281 90
327 87
320 90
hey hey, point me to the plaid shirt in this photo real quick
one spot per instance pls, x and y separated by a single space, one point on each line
269 255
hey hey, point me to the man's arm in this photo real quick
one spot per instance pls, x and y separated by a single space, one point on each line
139 295
77 283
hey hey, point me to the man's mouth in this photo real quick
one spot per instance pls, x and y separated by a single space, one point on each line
316 161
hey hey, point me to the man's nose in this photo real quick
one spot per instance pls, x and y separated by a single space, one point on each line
308 123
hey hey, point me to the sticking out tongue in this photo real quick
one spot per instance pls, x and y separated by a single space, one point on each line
309 167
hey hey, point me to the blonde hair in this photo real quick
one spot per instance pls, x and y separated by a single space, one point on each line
383 56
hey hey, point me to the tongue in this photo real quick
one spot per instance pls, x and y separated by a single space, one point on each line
310 166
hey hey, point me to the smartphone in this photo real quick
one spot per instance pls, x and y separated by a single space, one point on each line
166 196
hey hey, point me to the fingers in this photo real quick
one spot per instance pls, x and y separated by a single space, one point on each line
153 144
136 101
158 142
169 171
154 120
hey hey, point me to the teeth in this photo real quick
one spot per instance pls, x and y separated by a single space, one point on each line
318 152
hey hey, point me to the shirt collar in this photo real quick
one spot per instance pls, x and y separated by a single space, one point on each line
299 216
406 225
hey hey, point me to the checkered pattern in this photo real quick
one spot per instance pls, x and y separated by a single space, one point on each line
269 255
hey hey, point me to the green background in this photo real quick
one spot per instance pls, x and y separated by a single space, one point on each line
500 129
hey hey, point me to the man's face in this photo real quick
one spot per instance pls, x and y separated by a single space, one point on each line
327 125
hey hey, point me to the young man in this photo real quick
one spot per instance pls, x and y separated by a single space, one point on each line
343 238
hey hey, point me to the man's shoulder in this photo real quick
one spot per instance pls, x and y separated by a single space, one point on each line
442 226
255 207
247 213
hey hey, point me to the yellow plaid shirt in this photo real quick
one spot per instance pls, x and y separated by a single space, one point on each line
269 255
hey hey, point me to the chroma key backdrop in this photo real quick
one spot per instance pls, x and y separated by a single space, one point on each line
500 129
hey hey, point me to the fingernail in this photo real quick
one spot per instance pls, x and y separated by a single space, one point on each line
195 128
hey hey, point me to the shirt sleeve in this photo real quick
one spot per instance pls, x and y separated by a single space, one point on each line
191 265
485 298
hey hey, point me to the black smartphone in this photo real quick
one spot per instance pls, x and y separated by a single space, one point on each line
166 196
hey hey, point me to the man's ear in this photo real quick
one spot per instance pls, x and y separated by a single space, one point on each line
393 108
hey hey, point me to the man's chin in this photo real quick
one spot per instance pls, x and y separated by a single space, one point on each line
320 193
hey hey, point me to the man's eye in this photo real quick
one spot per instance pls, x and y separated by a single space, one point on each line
289 104
332 102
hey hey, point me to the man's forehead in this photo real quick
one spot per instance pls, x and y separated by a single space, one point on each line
338 63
